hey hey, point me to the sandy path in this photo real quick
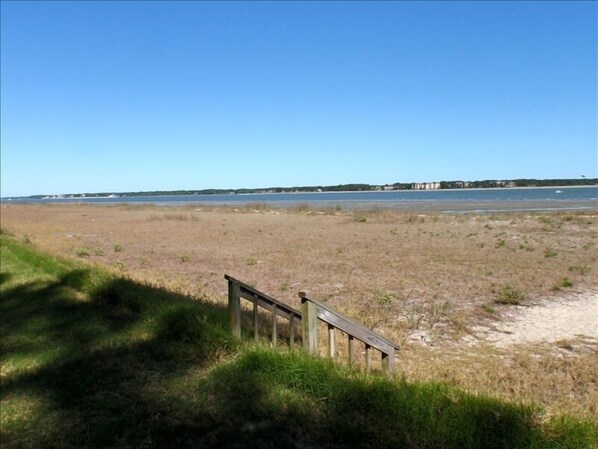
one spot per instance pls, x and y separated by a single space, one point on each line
574 315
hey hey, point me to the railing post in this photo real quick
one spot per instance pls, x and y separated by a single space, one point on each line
256 320
309 324
331 348
274 326
388 361
292 330
234 308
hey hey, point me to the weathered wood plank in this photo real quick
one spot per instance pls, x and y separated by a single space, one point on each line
234 307
361 333
274 326
250 292
351 350
256 320
388 362
282 312
309 326
331 341
368 358
292 331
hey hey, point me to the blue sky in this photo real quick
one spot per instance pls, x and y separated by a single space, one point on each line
132 96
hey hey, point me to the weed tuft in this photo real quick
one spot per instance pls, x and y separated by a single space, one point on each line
579 269
488 309
509 295
81 251
564 344
500 243
566 283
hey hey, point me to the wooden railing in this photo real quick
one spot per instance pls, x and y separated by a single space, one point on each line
315 310
238 290
312 311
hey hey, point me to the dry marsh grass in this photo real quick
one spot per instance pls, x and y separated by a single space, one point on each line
426 277
394 270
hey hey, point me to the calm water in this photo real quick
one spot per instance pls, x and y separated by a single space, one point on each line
564 198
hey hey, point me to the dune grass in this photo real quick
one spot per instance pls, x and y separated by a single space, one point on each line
93 360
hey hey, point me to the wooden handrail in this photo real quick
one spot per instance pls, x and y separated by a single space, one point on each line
311 311
238 290
314 310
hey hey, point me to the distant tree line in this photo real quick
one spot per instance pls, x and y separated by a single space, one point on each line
489 183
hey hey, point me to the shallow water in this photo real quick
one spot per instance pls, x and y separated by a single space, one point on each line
450 201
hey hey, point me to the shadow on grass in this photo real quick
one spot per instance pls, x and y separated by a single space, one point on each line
99 363
4 277
90 361
290 397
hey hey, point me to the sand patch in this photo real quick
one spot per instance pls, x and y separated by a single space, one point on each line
572 316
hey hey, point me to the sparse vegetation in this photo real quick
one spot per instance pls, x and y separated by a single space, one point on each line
510 295
488 309
423 266
579 269
115 363
566 283
81 251
564 344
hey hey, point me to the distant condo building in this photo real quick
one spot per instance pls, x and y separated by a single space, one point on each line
425 185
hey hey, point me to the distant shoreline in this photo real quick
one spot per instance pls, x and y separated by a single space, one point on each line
269 191
407 190
471 200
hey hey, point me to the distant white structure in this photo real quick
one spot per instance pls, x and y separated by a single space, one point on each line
425 185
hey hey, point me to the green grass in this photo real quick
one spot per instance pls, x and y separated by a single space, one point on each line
91 361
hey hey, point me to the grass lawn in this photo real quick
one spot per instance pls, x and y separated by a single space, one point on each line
92 360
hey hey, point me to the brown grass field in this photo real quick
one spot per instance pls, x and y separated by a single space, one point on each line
414 277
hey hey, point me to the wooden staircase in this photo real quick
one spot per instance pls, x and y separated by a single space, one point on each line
307 320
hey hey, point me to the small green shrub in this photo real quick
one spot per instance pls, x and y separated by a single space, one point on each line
385 298
81 251
184 258
566 283
509 295
360 219
117 248
251 260
500 243
550 253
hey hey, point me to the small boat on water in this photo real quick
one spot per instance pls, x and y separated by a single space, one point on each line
558 191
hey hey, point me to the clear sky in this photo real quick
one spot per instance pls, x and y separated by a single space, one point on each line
131 96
